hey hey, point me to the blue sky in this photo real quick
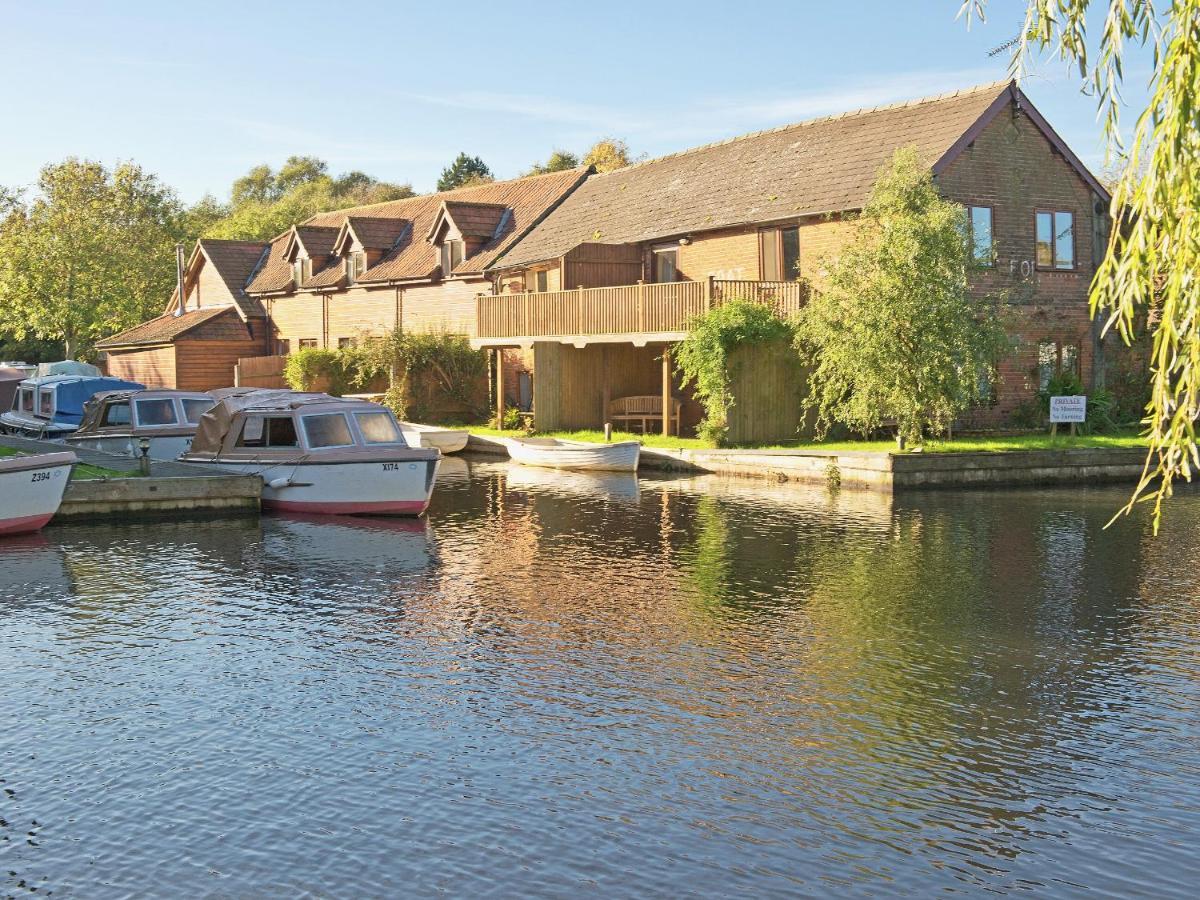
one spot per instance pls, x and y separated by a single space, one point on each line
200 92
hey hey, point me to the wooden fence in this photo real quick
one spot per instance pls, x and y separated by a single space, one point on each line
260 371
627 309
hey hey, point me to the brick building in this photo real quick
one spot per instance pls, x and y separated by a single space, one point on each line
748 215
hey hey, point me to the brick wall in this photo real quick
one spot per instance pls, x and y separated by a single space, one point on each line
731 254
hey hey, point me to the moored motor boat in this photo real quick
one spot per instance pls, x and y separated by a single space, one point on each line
447 440
554 453
31 490
316 453
52 406
118 421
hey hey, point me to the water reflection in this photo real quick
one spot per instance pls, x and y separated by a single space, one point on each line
663 685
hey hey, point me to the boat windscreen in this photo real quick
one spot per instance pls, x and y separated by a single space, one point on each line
116 414
195 407
159 411
45 403
327 430
378 428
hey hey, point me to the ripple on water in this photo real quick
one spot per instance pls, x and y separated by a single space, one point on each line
639 686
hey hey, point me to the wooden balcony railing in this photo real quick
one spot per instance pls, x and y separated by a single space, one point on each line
627 309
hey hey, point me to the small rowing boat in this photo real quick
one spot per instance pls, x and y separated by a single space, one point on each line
448 440
31 490
554 453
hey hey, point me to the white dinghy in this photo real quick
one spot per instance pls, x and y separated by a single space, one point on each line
316 453
553 453
31 489
447 440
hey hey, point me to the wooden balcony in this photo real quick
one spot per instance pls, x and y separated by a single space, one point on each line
633 313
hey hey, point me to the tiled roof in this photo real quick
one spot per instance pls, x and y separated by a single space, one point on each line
475 219
317 241
375 232
526 199
820 166
235 262
331 274
165 328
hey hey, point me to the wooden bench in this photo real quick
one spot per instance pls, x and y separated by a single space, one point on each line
628 410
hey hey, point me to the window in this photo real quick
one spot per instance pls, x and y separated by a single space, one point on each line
24 400
45 402
452 255
344 343
194 408
268 431
1055 240
666 264
299 273
1056 358
115 414
780 251
328 430
283 347
378 428
156 412
307 343
980 223
543 280
354 267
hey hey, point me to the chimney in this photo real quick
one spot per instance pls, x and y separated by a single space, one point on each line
179 280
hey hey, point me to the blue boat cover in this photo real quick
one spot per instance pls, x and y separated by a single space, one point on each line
72 393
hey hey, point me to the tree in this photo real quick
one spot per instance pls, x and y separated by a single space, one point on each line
559 161
92 254
608 154
463 172
264 204
892 333
1150 268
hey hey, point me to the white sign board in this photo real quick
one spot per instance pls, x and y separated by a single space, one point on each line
1068 409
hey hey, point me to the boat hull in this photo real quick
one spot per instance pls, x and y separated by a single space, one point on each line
31 490
447 440
619 457
165 448
343 488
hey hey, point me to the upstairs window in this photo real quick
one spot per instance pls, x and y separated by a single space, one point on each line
452 255
666 264
1055 240
543 280
354 266
979 222
780 252
299 273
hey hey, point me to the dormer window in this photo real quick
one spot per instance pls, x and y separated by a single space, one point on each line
355 266
452 255
299 273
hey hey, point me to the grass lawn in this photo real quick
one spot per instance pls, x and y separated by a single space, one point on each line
82 471
957 445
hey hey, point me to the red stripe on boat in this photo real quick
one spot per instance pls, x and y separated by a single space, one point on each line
361 508
24 524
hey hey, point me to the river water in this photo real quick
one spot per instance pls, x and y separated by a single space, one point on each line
563 683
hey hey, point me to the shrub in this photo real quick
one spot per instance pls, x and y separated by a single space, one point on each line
702 358
347 370
431 373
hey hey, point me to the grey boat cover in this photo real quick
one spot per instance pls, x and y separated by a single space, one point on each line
215 424
68 367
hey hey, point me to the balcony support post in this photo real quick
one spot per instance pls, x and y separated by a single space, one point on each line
666 390
500 387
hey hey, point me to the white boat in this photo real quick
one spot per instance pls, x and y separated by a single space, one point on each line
553 453
118 421
447 440
31 489
316 453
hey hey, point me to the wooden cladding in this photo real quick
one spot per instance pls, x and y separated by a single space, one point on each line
627 309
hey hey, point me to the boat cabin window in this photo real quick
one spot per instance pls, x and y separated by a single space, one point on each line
378 428
116 414
194 408
156 412
24 399
45 402
328 430
268 431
